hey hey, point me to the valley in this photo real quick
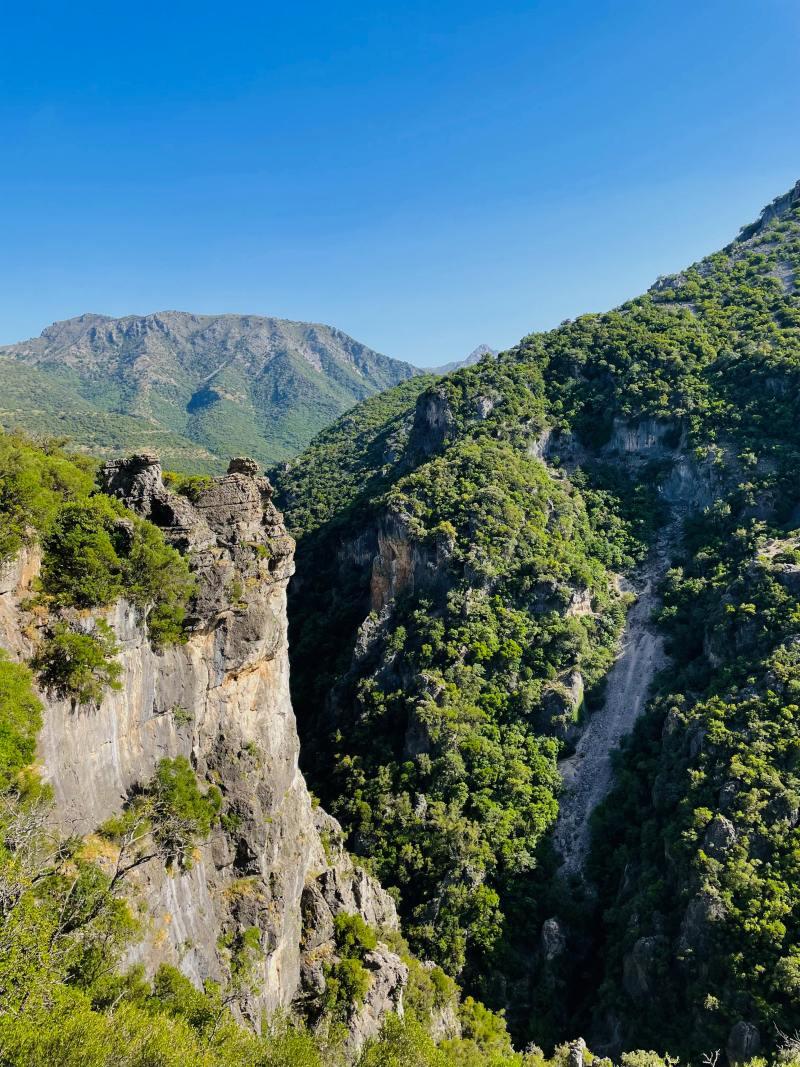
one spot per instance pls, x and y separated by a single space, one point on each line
466 728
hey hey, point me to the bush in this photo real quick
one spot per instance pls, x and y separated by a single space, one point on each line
20 719
174 811
79 665
189 485
98 551
346 985
34 483
81 566
353 936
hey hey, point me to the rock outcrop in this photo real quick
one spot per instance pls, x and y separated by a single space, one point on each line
221 699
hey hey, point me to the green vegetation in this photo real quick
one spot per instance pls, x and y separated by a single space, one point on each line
353 459
220 385
97 551
34 483
79 665
20 720
721 744
443 749
431 725
455 616
66 924
188 485
167 817
94 551
63 998
347 980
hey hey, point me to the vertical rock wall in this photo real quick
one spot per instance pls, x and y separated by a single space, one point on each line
222 700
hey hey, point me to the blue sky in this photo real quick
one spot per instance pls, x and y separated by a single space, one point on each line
426 176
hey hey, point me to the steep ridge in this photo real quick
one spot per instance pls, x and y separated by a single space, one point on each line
197 388
683 401
477 354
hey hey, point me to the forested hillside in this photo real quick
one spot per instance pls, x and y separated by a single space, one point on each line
457 610
496 569
80 984
196 388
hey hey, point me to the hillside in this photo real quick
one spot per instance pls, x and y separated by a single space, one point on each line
544 634
172 894
458 609
197 388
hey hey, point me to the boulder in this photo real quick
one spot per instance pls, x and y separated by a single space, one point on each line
744 1042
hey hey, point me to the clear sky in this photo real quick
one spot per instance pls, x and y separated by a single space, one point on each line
425 175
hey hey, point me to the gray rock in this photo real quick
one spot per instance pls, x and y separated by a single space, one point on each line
744 1042
553 939
561 703
720 837
641 966
576 1053
388 977
647 438
433 419
277 862
702 912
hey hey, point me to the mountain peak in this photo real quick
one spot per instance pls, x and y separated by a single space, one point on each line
198 388
475 356
779 208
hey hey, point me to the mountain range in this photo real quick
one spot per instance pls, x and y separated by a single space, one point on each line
529 630
196 388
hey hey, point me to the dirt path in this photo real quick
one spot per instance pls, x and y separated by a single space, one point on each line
587 774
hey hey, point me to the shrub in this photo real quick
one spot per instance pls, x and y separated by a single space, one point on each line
98 551
182 813
353 936
34 482
81 566
189 485
346 985
79 665
20 719
171 810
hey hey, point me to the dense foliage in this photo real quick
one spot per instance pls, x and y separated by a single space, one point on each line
94 551
453 620
34 483
20 720
437 747
712 778
444 732
63 999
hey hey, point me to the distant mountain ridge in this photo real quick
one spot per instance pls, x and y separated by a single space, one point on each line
475 356
195 387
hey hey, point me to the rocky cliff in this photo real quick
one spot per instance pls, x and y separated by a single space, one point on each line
275 862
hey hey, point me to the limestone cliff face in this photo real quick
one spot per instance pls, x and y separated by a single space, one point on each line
222 700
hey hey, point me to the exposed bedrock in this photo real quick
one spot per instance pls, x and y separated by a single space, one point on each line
222 700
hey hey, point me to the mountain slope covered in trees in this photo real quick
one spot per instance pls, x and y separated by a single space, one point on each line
458 607
198 388
76 908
